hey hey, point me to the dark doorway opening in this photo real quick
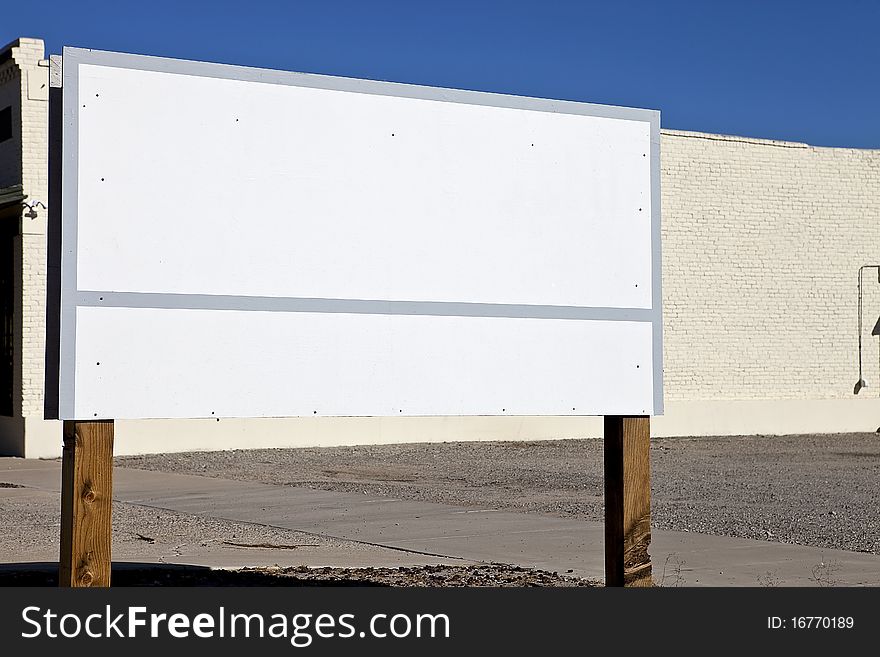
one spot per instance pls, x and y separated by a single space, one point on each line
8 233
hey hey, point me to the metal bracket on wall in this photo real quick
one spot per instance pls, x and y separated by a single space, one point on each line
861 383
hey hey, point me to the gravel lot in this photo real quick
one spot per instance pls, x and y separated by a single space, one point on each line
815 490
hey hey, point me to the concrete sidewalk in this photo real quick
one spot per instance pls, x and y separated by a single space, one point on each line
396 532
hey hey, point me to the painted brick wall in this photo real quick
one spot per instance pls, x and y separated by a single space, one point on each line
31 128
35 178
10 150
762 242
762 245
33 324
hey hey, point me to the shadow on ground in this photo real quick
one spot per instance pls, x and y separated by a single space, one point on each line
151 574
146 574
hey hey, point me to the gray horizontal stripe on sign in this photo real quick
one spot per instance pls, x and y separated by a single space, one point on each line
354 306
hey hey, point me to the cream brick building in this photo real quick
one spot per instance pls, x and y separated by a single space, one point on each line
762 243
24 90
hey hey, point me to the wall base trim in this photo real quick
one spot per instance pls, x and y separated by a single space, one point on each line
37 438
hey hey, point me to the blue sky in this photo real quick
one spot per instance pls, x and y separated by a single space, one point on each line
802 71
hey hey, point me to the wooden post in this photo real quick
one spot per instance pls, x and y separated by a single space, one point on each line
627 501
86 499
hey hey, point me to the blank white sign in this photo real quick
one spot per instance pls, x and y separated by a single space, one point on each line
247 243
333 364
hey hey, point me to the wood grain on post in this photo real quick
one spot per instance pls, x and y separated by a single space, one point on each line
86 499
627 501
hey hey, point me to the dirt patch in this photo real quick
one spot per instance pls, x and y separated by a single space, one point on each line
489 575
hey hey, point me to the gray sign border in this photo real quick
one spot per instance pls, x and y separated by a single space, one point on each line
63 345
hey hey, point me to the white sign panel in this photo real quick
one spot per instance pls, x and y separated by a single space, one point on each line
239 242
